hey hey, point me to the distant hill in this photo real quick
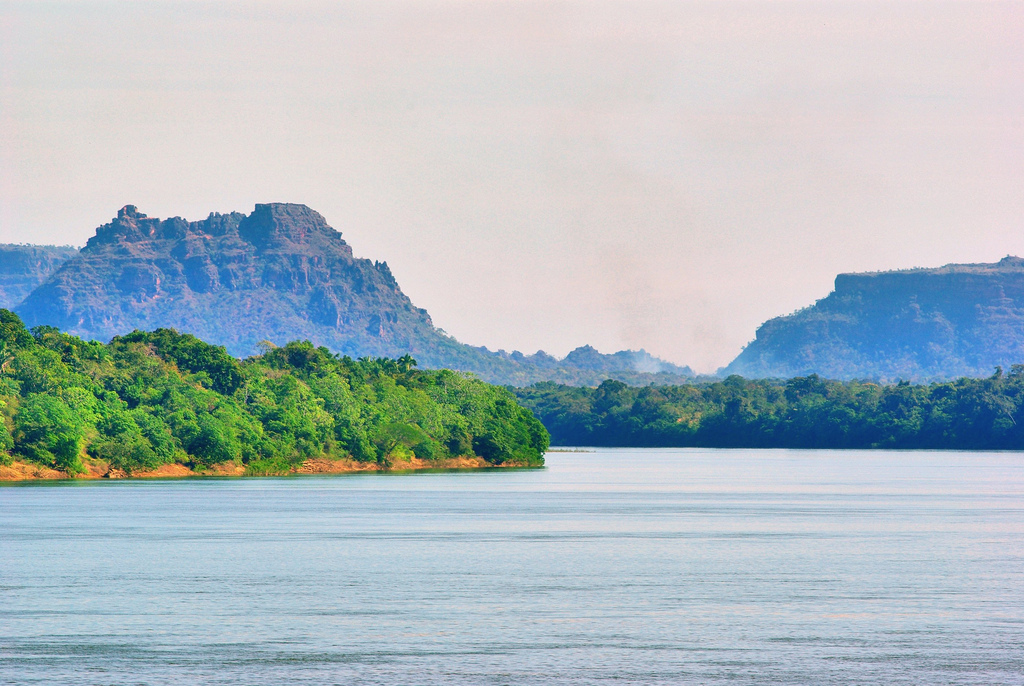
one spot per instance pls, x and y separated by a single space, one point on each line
23 267
584 366
914 324
279 274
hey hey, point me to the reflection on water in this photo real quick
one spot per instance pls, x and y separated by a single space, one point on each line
626 566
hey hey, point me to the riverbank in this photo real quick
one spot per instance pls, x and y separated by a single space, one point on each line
97 469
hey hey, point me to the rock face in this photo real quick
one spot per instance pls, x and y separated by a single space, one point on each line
915 324
23 267
278 274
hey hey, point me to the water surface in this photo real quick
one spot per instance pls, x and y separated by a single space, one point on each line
617 566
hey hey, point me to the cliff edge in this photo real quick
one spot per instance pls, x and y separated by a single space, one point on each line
914 324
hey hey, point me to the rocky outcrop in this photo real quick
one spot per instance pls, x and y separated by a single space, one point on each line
278 274
24 267
916 324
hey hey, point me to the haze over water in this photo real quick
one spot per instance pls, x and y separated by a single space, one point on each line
632 566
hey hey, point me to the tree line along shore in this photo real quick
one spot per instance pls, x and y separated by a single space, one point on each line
162 403
802 412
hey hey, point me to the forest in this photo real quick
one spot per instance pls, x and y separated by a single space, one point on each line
802 412
152 398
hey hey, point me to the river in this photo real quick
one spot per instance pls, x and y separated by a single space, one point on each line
612 566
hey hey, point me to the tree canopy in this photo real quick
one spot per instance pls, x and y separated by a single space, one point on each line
802 412
152 398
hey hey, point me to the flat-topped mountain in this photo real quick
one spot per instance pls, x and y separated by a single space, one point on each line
23 267
914 324
278 274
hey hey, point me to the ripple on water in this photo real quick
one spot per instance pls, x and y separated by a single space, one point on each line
625 566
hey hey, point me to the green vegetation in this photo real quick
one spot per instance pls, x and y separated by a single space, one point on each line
803 412
147 399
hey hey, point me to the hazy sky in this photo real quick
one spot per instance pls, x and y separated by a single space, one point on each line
664 175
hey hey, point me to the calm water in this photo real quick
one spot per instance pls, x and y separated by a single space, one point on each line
619 566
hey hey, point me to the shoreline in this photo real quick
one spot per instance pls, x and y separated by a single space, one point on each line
19 471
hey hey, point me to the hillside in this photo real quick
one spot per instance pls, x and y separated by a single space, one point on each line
915 324
24 267
278 274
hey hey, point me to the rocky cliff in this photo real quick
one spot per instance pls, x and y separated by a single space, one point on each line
278 274
915 324
23 267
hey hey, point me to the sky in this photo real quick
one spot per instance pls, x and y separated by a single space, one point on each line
540 174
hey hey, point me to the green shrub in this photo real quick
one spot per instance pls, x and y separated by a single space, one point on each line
47 431
276 466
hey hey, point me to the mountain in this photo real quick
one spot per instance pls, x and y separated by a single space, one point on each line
23 267
584 366
914 324
640 362
278 274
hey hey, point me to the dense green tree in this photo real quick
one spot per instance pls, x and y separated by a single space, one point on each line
211 364
50 432
803 412
398 434
150 398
